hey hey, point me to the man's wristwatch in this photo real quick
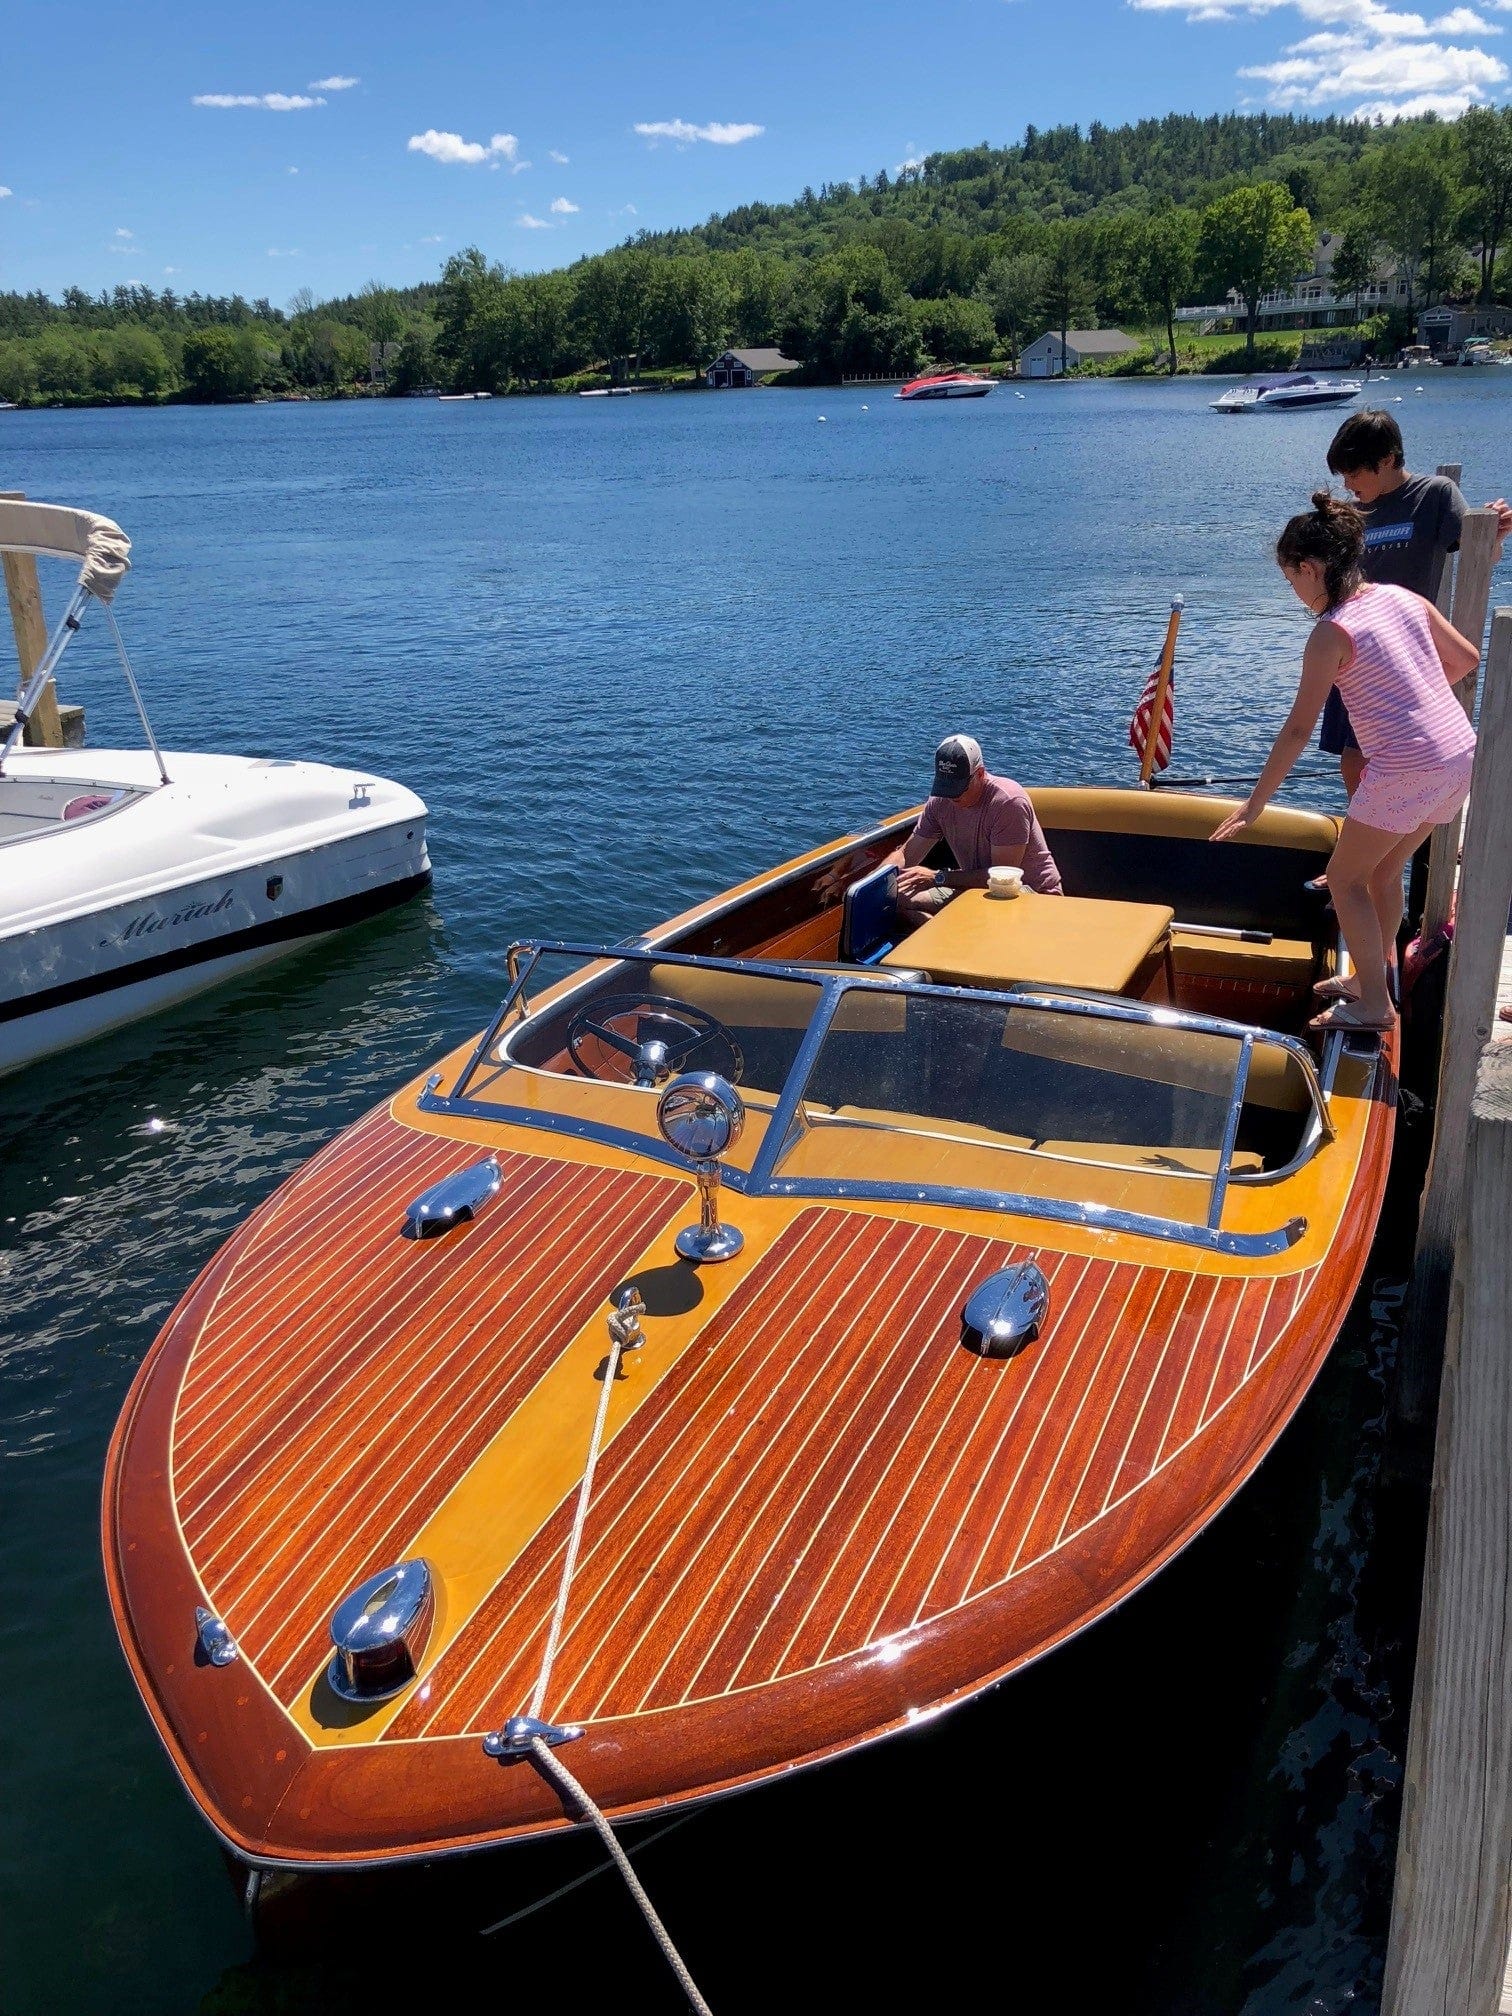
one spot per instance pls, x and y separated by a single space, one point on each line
939 881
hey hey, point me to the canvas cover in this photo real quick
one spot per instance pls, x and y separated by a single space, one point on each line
60 533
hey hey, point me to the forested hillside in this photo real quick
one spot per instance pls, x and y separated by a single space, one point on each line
962 256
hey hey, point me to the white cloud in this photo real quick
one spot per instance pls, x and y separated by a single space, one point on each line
907 167
718 133
122 232
282 252
335 83
4 192
268 101
293 171
451 147
1383 73
433 238
518 167
530 223
170 269
562 208
1394 64
560 158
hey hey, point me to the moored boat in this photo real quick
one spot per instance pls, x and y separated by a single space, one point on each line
1288 392
924 1296
131 879
946 385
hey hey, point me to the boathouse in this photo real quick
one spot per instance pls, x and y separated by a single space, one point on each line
1445 328
746 367
1048 358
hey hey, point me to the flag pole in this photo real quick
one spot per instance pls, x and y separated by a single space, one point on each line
1162 682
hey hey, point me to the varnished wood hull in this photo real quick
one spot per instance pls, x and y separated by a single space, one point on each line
817 1519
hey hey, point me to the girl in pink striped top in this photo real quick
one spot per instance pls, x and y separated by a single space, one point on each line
1393 658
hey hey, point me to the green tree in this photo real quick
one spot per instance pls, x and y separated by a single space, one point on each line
473 323
850 317
1254 239
687 311
956 330
1485 138
1354 262
1167 266
1410 195
1067 299
18 372
1012 287
226 363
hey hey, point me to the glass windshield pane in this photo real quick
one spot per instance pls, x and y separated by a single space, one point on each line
940 1090
599 1044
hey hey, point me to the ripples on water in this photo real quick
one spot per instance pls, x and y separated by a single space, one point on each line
630 655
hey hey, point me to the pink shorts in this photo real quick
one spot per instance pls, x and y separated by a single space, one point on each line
1399 801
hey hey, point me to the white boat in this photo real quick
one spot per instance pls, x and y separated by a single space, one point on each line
133 879
461 398
1288 392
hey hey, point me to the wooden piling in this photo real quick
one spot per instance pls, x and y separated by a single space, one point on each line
1449 1916
1472 592
1480 933
23 591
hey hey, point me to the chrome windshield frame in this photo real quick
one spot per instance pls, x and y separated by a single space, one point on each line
787 1116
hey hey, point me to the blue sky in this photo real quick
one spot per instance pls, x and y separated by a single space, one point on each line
381 138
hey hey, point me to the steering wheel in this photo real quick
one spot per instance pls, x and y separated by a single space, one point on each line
644 1039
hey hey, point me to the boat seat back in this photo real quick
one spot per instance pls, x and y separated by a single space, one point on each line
1156 847
869 917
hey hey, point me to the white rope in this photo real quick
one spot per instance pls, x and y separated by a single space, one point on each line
549 1762
624 1328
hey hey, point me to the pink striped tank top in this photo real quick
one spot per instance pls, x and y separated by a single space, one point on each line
1402 708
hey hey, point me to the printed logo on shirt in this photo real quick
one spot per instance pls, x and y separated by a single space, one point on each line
1399 534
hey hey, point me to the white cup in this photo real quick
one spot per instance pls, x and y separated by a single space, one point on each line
1004 881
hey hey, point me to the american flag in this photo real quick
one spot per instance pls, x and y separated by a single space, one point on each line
1139 727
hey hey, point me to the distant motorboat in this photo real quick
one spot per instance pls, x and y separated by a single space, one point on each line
947 385
1291 391
457 398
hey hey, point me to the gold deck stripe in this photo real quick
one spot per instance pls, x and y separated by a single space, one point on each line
536 1460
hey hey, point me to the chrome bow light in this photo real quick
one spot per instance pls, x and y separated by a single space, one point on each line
380 1631
1005 1312
700 1115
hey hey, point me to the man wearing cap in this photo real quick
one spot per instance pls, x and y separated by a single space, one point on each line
985 821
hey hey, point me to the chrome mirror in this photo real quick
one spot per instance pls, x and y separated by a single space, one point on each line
700 1115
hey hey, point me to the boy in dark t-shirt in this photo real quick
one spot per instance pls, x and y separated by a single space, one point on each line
1412 525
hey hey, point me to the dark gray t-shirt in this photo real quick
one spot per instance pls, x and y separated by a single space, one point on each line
1411 531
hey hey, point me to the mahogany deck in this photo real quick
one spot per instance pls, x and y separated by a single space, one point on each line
296 1468
828 1468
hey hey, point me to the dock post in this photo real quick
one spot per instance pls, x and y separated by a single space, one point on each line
23 591
1480 933
1449 1913
1472 592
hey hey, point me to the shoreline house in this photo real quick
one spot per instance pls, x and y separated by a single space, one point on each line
1047 358
1444 329
746 367
1310 302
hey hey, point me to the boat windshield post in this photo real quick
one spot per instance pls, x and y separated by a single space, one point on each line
56 645
136 692
516 993
1230 1134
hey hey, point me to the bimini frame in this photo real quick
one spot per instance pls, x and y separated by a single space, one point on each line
55 532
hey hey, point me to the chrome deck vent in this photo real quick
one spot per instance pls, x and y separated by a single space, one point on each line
455 1198
380 1632
1005 1312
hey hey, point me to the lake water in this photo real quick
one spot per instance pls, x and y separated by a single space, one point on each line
629 654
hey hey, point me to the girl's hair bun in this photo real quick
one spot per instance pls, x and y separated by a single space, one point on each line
1323 502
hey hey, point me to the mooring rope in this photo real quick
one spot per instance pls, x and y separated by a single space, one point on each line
624 1334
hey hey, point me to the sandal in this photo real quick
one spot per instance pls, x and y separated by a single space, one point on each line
1349 1015
1341 987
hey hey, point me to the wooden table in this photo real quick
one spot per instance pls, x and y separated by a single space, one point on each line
979 940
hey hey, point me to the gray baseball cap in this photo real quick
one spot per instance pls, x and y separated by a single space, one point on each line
956 760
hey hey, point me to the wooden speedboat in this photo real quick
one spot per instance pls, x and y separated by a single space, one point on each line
1039 1225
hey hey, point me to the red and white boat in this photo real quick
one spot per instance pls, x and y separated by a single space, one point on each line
947 385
